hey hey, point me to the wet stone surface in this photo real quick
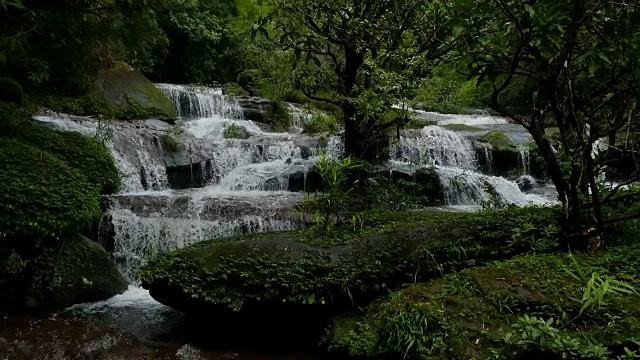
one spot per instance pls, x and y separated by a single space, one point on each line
59 336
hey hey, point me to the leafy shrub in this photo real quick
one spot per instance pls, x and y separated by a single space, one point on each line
447 91
86 155
233 131
41 195
320 122
327 206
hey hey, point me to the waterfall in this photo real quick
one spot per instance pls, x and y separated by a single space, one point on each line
524 159
201 102
434 145
454 159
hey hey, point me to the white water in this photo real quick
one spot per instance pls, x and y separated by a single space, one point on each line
455 160
435 145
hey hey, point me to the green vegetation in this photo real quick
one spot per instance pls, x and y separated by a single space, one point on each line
588 304
498 140
320 122
461 127
52 181
447 91
86 155
233 131
43 195
346 267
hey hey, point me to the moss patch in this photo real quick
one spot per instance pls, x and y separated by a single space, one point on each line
461 127
41 194
467 313
85 154
125 88
343 268
86 273
499 140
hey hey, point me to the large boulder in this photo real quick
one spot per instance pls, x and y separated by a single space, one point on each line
125 88
470 314
341 269
86 273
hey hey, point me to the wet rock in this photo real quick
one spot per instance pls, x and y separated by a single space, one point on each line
525 183
87 273
309 181
186 176
254 108
122 84
188 352
98 347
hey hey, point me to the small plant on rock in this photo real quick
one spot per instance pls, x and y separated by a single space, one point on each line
326 207
232 131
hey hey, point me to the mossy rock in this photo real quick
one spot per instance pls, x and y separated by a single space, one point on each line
466 314
10 90
41 194
341 269
85 154
234 89
498 140
86 273
126 88
461 127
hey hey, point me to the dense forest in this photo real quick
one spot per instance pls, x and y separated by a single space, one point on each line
365 65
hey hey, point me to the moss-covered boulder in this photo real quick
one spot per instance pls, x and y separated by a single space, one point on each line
85 272
40 194
234 89
467 314
127 89
507 158
83 153
343 268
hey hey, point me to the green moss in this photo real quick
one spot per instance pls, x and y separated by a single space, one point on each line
41 194
461 127
170 143
131 94
470 312
85 273
234 89
86 155
345 267
499 140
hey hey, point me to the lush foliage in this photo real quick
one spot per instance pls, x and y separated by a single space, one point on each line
86 155
366 44
43 195
580 59
482 312
347 267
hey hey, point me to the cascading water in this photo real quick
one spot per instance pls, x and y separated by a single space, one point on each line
454 158
524 159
